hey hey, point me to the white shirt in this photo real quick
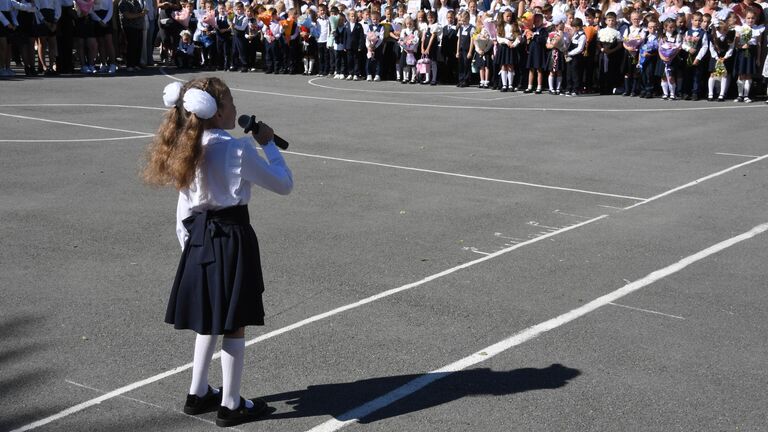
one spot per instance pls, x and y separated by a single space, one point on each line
229 168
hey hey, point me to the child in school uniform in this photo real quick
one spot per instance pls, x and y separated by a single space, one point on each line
721 59
647 59
50 11
323 54
218 285
9 29
185 52
574 58
747 53
409 41
557 45
339 48
354 44
507 39
223 38
239 25
633 36
667 67
273 56
464 49
375 54
696 47
536 61
429 47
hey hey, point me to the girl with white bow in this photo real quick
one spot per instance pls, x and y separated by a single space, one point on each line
218 286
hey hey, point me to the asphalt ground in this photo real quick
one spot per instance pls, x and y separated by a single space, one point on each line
427 225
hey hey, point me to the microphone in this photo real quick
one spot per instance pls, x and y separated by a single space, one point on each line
251 125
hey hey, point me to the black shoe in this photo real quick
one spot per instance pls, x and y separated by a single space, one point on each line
202 404
227 417
695 97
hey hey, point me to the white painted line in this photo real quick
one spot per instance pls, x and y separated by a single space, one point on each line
75 140
71 124
83 105
133 386
610 207
647 310
535 185
695 182
313 83
737 154
526 335
487 108
152 405
102 391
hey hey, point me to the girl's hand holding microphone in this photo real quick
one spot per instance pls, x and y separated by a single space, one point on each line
263 134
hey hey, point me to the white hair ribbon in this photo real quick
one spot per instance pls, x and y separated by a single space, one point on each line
171 94
200 103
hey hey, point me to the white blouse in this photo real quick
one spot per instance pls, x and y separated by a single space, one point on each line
229 168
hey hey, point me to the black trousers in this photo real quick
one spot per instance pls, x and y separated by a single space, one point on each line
573 74
64 36
133 42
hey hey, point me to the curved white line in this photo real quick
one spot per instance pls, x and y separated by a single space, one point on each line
310 82
485 108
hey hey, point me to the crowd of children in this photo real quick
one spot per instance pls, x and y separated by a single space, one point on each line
669 48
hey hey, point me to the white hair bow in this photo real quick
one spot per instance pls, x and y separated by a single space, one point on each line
200 103
171 94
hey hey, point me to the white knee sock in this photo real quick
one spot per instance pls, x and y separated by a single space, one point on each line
205 345
671 89
504 78
306 65
740 86
551 82
559 81
747 85
311 65
711 86
724 86
398 72
232 350
510 77
665 88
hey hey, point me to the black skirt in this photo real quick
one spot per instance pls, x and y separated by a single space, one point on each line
555 61
745 61
218 284
505 55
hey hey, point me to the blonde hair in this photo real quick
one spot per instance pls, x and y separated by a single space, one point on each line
176 151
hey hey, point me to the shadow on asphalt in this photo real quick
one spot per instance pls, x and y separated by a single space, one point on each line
337 399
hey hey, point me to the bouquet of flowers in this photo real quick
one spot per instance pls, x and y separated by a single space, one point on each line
689 46
720 70
408 44
482 41
266 18
744 35
490 26
525 22
668 51
649 47
371 40
182 17
608 37
557 41
287 25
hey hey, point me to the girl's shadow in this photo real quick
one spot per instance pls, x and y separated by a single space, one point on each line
337 399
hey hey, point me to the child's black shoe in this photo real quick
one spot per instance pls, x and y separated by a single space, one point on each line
227 417
202 404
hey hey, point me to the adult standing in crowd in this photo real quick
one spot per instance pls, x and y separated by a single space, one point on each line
65 36
132 15
149 34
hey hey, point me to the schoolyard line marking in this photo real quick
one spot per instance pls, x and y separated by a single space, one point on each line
102 391
148 135
525 335
313 83
151 404
486 108
133 386
83 105
697 181
647 311
466 176
70 123
737 154
75 140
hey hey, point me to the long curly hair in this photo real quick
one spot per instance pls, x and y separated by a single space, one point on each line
176 150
